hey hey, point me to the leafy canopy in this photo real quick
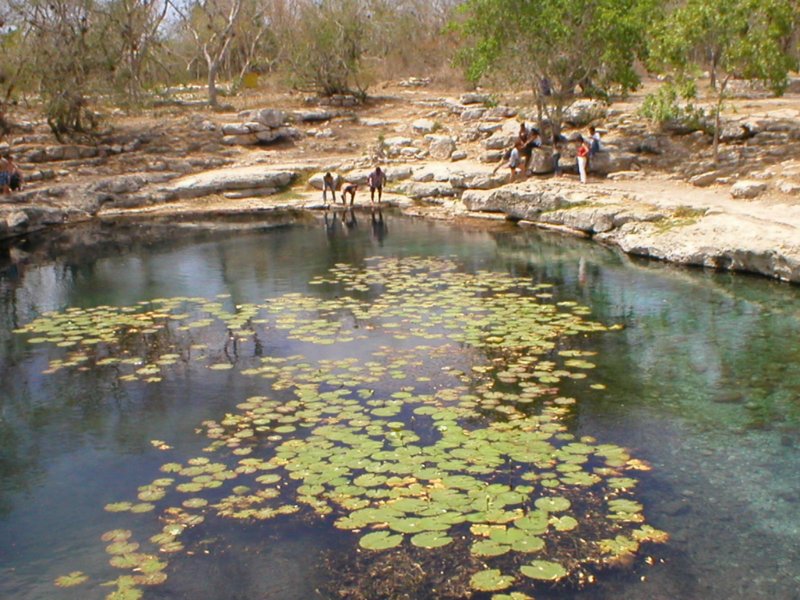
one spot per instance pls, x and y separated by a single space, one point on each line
751 39
570 43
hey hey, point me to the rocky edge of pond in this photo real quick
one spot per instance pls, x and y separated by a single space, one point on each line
712 219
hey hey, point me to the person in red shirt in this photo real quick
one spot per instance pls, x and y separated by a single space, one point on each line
583 157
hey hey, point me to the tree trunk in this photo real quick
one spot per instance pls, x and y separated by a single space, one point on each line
212 84
713 72
717 118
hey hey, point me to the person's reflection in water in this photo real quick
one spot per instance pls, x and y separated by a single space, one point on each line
331 224
379 227
350 222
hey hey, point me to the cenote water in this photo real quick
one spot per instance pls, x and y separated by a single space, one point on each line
378 407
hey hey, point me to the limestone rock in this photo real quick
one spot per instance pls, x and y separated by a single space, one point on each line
270 117
475 98
235 129
489 127
790 187
16 219
478 180
473 114
251 193
441 146
224 180
423 126
705 179
748 189
499 141
491 156
316 180
521 200
419 190
313 116
398 173
583 112
500 112
397 141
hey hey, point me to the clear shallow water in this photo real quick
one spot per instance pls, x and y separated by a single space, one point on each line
702 383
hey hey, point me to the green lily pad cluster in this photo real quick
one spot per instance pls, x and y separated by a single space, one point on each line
457 432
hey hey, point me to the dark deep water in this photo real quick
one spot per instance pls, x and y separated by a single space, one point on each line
703 383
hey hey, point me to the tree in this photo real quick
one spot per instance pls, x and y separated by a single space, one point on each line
133 32
555 46
212 25
62 41
327 46
732 38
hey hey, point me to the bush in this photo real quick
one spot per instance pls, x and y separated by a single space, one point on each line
671 108
325 53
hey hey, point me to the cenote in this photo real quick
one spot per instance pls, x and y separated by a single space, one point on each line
371 406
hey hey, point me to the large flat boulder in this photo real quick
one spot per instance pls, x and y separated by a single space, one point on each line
219 181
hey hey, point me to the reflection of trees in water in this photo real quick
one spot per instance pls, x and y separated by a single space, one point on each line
697 342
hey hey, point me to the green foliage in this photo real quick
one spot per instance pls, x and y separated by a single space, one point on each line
731 38
741 38
326 49
671 103
591 44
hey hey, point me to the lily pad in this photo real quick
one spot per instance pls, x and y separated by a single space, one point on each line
380 540
544 570
491 580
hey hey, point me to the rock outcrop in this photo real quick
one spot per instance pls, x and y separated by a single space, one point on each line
259 127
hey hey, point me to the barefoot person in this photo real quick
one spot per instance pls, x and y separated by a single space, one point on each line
328 183
350 188
512 162
376 180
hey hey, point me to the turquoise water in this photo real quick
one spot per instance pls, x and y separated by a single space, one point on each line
701 382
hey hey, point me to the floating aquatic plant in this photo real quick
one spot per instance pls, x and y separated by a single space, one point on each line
456 437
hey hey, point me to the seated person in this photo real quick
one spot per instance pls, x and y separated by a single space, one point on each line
15 175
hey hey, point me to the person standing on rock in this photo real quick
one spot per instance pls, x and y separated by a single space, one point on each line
376 180
328 183
350 188
582 157
513 163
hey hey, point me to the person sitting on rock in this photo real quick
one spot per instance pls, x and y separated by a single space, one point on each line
328 183
557 147
15 175
350 188
376 180
5 174
533 142
594 142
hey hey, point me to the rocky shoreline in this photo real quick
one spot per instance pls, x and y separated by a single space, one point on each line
629 215
654 194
